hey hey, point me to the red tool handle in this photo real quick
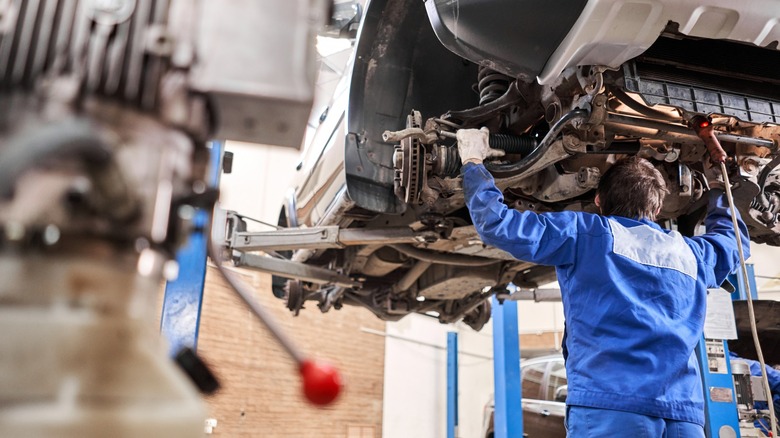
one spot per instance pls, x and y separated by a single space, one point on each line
706 132
321 382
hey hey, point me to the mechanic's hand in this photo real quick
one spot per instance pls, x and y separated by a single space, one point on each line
474 147
714 175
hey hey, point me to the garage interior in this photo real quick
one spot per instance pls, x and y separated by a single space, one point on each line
163 165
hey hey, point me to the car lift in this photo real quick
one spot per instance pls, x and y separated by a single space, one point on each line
184 296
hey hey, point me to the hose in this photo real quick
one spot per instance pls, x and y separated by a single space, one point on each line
751 312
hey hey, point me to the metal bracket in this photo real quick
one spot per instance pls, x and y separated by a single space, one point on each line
290 239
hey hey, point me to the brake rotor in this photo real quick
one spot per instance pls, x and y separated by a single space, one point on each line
294 296
409 163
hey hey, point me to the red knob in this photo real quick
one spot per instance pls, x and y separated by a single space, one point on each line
321 382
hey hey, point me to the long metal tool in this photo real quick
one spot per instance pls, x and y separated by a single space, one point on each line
751 312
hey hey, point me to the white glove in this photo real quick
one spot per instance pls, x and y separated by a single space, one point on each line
474 147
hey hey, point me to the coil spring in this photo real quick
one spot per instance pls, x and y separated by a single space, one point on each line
491 85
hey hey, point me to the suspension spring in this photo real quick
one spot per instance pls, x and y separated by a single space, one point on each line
491 85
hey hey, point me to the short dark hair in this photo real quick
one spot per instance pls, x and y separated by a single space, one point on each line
633 188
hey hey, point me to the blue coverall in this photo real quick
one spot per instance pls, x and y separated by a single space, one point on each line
634 298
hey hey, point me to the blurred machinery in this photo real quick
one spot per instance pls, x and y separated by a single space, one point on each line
753 422
105 110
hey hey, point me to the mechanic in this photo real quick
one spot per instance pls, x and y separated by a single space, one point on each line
634 294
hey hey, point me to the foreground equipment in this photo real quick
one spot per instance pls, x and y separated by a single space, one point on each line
105 112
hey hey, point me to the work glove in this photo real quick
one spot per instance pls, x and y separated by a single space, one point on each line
474 147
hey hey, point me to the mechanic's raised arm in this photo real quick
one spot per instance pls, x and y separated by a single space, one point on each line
548 239
718 246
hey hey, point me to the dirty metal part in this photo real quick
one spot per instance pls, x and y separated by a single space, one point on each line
318 238
538 161
542 152
412 275
442 258
293 270
332 298
415 133
641 108
554 187
447 282
383 262
294 296
479 316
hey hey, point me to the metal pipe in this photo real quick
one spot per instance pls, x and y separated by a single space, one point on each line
628 125
412 275
443 258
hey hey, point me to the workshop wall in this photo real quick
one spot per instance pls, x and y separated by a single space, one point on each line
261 394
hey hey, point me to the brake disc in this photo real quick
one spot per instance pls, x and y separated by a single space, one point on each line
294 296
409 163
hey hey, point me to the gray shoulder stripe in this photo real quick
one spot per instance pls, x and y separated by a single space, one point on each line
651 247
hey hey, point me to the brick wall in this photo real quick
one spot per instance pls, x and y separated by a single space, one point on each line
260 394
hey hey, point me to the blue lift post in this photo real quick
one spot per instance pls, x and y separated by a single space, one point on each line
720 404
184 296
508 413
452 384
719 395
740 292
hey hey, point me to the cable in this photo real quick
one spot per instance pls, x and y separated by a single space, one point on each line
751 312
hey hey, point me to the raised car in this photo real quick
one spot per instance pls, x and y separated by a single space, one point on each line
565 88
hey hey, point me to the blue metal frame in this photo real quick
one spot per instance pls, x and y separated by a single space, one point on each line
508 414
452 384
718 414
184 296
740 292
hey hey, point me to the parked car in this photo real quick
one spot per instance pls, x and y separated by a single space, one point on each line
565 88
544 389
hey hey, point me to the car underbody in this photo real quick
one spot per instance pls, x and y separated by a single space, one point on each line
409 95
